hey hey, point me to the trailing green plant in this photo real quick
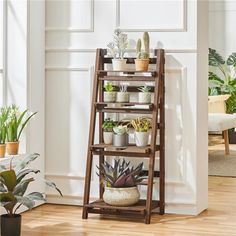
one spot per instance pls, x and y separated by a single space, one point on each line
121 129
108 87
13 186
144 89
16 123
108 125
121 175
141 124
4 114
145 53
119 45
222 77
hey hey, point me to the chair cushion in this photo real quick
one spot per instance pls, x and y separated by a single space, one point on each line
221 121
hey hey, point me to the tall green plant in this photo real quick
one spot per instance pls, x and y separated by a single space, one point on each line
4 113
222 77
16 123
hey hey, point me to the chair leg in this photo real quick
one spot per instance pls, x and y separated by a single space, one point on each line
226 138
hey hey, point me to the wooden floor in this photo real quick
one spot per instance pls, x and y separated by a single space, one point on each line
219 219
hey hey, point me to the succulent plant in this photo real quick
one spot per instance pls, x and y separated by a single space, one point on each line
141 124
143 54
144 89
108 125
121 175
120 129
119 45
108 87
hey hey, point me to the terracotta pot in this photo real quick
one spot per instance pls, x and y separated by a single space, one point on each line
12 148
119 64
2 150
121 196
141 64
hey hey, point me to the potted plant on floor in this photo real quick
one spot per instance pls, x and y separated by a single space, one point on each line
141 126
120 182
109 94
16 123
142 61
122 95
144 96
117 50
13 186
3 130
108 126
222 81
120 136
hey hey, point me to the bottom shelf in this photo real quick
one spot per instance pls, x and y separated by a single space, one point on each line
100 207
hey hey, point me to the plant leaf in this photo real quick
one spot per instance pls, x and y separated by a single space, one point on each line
6 197
214 58
21 174
25 162
231 61
9 177
36 196
25 201
21 187
53 185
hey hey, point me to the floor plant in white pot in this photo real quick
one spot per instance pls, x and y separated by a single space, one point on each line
117 50
120 182
3 130
107 127
13 186
142 126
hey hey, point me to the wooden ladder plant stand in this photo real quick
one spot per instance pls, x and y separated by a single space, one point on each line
143 209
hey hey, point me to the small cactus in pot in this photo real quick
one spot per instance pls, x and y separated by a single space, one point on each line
120 182
142 61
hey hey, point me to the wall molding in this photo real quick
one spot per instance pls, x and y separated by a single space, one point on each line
76 30
1 71
64 176
183 28
57 68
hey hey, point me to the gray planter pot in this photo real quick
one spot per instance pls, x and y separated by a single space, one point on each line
120 140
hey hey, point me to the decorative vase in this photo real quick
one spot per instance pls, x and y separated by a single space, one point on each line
2 150
144 97
109 96
12 148
10 225
120 140
119 64
141 64
122 97
141 138
121 196
107 137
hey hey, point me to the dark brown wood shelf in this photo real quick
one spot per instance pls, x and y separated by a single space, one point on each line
102 151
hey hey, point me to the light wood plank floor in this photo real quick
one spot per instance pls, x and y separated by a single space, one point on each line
219 219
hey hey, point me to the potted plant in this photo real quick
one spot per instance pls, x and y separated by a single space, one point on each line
120 182
142 61
222 80
109 94
15 125
141 126
117 50
120 136
107 126
144 96
122 95
3 130
13 185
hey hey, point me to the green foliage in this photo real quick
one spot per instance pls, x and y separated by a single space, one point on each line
121 175
4 113
222 77
144 89
108 125
141 124
119 45
121 129
13 186
16 123
145 53
108 87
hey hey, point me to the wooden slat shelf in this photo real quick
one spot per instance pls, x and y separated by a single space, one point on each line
138 207
130 60
151 74
125 110
128 78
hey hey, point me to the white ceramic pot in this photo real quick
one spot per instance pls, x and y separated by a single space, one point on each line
122 97
141 138
119 64
144 97
107 137
121 196
109 96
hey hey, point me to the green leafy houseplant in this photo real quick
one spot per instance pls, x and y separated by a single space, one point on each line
109 94
108 125
13 187
222 77
141 124
108 87
120 182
